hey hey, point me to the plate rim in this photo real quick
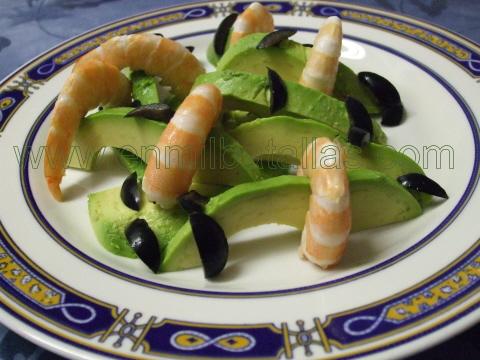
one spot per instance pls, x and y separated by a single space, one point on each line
89 32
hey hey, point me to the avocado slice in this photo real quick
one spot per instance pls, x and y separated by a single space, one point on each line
249 92
281 138
272 168
131 162
232 119
148 89
376 200
109 218
209 190
212 56
231 165
226 162
233 168
288 59
145 88
290 137
110 128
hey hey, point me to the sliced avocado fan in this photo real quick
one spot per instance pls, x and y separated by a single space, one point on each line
250 92
231 165
376 200
288 59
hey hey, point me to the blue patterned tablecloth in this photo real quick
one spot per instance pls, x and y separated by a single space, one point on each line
29 27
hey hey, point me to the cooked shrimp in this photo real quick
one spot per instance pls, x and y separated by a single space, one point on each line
90 84
154 54
171 167
320 71
255 18
96 80
328 220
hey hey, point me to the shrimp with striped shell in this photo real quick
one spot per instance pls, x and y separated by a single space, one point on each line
328 219
255 18
96 79
320 71
156 55
91 83
173 164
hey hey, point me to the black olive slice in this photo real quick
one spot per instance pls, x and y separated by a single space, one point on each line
384 90
278 91
222 33
392 115
422 183
308 45
130 194
211 242
275 37
192 201
159 112
358 136
190 48
136 103
144 242
359 115
159 34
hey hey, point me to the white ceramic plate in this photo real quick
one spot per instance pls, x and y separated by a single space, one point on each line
398 290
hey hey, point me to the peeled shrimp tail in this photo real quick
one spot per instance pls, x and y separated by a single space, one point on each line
154 54
171 166
320 71
90 84
255 18
328 220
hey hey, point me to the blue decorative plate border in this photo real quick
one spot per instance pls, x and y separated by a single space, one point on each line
65 308
460 54
41 295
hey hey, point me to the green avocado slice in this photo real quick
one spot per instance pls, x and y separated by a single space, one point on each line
249 92
110 128
145 88
376 200
284 139
288 59
148 89
224 161
282 199
212 56
131 162
110 217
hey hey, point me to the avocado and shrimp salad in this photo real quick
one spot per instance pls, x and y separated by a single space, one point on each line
202 165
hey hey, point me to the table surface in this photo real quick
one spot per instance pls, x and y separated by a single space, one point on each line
29 27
